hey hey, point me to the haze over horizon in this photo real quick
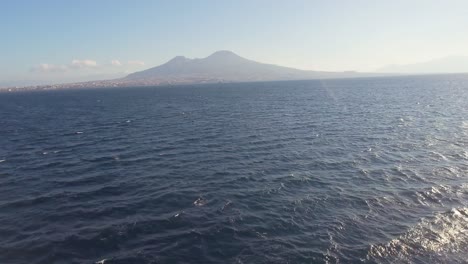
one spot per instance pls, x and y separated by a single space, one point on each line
55 42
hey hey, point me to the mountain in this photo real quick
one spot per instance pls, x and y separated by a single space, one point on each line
225 66
451 64
221 66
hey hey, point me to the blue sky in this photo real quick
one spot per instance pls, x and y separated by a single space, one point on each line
54 41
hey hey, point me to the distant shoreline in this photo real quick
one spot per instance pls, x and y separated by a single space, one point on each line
109 84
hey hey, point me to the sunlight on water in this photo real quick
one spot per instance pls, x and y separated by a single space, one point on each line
444 234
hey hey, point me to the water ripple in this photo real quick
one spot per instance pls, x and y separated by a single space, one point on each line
337 171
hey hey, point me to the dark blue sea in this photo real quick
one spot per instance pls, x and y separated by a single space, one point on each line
333 171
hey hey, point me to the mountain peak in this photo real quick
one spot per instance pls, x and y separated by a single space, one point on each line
223 53
178 59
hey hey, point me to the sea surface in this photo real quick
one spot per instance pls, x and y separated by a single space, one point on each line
337 171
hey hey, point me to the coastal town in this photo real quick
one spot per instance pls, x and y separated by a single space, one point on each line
113 84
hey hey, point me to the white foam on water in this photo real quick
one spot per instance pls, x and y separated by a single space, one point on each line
2 161
200 202
438 156
464 124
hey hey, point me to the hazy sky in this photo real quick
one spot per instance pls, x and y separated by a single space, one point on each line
70 40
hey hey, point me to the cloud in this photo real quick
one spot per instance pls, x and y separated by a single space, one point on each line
74 65
136 62
79 64
45 67
116 63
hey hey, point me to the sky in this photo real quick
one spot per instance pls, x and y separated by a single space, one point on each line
62 41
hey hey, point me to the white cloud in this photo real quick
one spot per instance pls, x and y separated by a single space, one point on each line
136 62
78 64
45 67
116 63
74 65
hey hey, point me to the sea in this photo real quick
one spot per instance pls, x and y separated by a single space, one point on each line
371 170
